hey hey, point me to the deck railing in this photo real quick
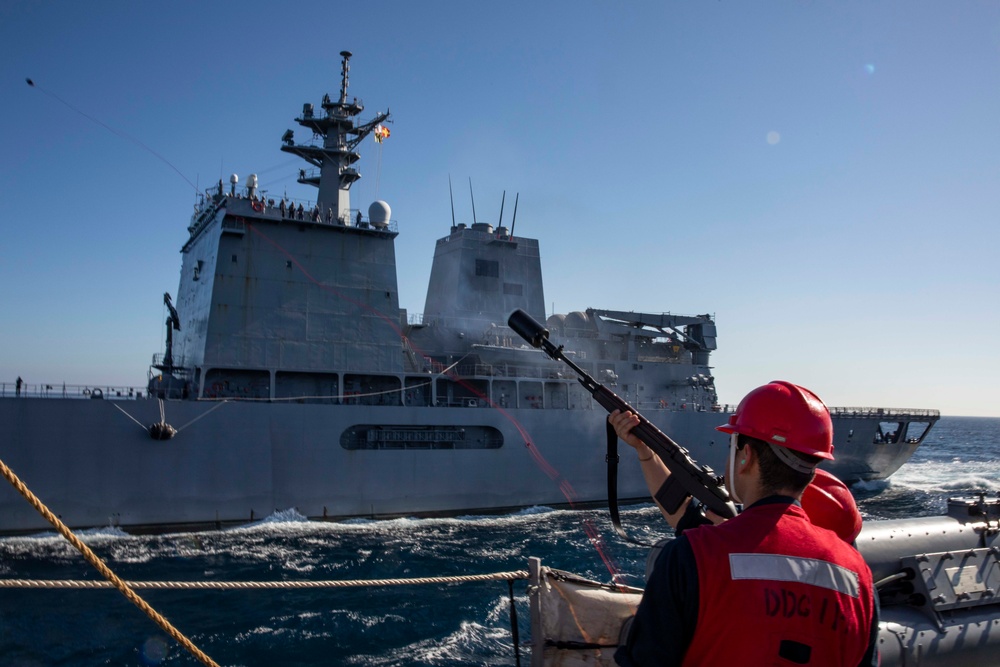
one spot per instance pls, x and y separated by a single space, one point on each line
888 413
63 390
124 392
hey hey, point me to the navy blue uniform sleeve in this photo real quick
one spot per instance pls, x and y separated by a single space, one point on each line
665 621
692 518
871 658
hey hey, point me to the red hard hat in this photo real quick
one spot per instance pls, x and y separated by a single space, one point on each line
829 504
787 415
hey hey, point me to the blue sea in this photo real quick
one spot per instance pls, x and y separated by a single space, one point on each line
438 624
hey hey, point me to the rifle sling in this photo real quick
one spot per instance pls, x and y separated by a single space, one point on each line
612 459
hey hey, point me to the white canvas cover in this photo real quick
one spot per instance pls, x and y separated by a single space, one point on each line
576 622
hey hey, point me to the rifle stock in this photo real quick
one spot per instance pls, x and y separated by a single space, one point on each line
686 477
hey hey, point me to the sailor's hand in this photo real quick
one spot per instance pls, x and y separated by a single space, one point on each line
713 517
691 516
623 423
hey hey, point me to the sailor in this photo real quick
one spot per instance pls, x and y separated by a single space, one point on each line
829 504
770 586
19 383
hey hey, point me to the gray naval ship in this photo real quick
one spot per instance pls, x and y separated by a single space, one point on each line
291 377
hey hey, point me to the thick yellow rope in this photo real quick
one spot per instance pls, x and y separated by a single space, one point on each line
99 565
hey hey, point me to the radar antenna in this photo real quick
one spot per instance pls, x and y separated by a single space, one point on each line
346 68
335 155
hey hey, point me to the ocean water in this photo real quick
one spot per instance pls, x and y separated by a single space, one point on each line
437 624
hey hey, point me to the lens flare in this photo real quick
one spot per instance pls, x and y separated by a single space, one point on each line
154 651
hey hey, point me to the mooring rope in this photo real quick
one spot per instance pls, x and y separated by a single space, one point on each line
163 414
262 585
141 425
105 571
201 416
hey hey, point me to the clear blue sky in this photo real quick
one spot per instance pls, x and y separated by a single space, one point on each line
823 177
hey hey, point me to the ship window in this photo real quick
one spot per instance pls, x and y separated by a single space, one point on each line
488 268
372 390
915 432
556 395
417 391
513 289
394 437
888 433
469 393
504 392
234 259
307 387
236 383
288 263
529 395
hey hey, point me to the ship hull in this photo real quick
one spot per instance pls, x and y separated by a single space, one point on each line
94 463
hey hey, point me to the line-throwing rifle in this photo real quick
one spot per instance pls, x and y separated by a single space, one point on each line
686 477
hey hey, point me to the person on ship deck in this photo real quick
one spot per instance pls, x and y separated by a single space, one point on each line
779 584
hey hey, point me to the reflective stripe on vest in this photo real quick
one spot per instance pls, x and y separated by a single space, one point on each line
772 567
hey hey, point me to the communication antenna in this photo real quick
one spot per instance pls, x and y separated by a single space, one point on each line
502 200
471 194
514 221
451 196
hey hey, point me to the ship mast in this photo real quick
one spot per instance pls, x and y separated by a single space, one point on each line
334 173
